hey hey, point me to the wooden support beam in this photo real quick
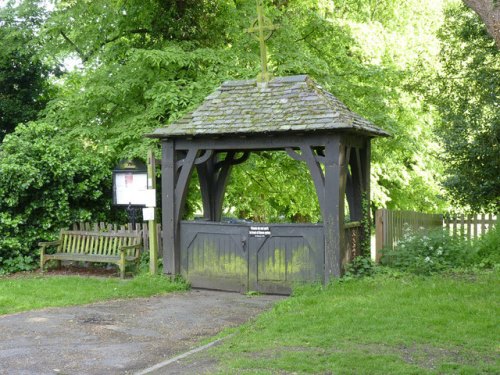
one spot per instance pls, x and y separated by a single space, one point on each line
181 186
316 171
354 188
213 175
333 211
171 256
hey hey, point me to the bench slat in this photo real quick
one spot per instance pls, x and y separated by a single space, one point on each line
72 242
112 245
90 244
78 244
105 245
100 245
83 243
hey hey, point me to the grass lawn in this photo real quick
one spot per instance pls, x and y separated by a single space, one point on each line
408 325
36 292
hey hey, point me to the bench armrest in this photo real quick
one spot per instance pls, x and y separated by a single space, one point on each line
49 243
137 248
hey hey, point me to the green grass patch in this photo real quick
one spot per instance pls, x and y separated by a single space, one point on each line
36 292
408 325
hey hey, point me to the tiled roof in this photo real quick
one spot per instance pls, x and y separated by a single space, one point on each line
285 104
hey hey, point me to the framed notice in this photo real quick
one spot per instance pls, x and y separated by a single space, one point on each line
130 188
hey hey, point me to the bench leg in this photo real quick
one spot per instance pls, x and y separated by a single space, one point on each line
59 264
42 261
122 265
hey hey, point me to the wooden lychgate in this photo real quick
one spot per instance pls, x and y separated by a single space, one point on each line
292 114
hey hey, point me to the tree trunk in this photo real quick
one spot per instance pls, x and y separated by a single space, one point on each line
489 11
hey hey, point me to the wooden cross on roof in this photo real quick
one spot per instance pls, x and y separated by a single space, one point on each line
264 29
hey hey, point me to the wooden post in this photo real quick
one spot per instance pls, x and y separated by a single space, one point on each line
379 234
333 212
153 239
168 178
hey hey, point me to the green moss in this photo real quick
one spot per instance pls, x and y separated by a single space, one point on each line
210 260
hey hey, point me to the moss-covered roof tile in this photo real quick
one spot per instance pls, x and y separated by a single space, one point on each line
295 103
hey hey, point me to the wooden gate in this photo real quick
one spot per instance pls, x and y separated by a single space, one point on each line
251 257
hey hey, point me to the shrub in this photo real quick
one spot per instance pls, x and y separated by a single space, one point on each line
360 267
425 252
144 264
47 182
488 249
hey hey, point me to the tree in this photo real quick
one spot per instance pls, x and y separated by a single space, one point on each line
467 96
489 11
24 87
47 181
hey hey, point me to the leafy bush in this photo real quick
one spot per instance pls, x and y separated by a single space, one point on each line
425 252
144 264
488 249
47 182
360 267
19 263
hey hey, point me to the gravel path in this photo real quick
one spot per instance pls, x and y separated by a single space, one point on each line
119 337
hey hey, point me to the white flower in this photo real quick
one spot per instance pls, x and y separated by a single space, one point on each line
440 251
427 259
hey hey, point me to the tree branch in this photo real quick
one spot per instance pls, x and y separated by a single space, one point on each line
85 57
78 50
133 31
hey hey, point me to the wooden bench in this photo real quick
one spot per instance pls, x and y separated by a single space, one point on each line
103 247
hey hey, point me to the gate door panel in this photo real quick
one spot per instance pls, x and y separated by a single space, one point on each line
284 255
214 255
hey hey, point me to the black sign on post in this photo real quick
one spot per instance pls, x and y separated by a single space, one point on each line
130 185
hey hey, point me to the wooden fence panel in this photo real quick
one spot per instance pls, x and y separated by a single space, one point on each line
390 226
470 226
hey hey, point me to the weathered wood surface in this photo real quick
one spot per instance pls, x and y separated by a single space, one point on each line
231 257
141 228
117 247
390 225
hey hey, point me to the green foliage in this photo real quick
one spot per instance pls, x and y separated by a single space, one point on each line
144 264
24 87
488 249
272 187
424 252
16 264
359 267
47 182
466 93
141 72
23 293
